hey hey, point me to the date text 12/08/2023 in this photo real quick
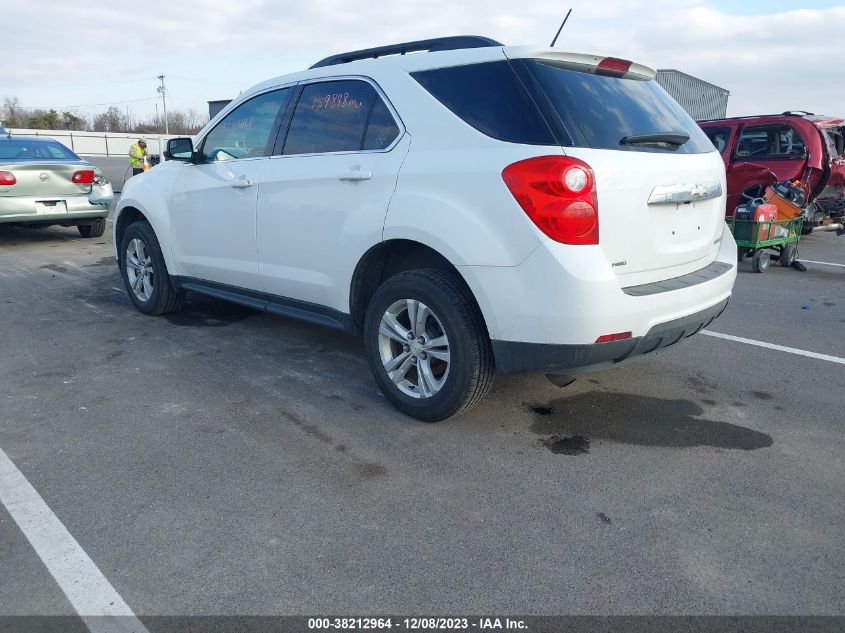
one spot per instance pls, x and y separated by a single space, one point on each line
418 623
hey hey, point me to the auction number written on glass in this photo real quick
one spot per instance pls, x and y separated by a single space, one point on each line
336 101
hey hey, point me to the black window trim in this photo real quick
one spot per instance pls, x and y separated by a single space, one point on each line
752 159
280 117
281 138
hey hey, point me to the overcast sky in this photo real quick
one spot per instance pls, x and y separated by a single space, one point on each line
771 56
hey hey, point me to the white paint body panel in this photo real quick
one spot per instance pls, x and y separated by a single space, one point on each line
213 221
314 227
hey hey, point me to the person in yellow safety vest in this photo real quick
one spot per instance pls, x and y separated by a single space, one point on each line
137 154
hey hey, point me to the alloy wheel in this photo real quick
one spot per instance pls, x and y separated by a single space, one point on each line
414 348
139 269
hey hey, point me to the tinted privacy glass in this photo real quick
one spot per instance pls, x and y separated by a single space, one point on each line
771 141
22 149
606 109
491 98
245 131
382 129
332 117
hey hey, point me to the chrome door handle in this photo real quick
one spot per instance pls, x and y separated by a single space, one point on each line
242 183
355 174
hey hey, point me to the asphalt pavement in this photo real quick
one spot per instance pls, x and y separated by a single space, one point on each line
225 461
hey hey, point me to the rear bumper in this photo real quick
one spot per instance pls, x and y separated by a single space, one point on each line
513 357
547 313
22 209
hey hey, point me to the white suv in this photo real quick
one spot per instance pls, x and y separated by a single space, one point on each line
468 208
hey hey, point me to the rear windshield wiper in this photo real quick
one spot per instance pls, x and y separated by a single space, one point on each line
669 138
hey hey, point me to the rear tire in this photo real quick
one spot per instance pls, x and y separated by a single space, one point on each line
93 230
145 273
788 255
760 261
418 379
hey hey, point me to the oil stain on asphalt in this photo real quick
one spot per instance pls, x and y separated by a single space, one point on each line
569 425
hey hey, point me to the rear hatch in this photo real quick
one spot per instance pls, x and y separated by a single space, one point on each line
659 181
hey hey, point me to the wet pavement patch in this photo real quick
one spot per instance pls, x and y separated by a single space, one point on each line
103 261
762 395
574 445
541 410
640 420
201 311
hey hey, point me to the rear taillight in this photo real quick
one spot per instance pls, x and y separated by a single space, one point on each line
609 338
558 193
613 67
7 179
83 177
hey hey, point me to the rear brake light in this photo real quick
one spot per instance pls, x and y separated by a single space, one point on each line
607 338
613 67
83 177
558 193
7 179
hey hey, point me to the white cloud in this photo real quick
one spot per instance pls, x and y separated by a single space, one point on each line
64 53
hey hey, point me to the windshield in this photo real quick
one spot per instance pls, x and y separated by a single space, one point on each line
25 150
621 114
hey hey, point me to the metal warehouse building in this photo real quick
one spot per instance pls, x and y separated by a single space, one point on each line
702 100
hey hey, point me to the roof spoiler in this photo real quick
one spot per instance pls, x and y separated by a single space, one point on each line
439 44
580 62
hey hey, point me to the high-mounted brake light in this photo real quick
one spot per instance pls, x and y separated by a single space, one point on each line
83 177
558 193
613 67
7 179
607 338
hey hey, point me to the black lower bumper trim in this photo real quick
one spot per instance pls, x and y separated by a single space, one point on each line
514 357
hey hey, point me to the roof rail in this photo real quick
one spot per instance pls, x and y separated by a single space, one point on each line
797 113
438 44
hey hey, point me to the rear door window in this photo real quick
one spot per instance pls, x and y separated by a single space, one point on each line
340 116
382 128
491 98
603 110
770 142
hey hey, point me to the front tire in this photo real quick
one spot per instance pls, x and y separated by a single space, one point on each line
96 229
145 273
427 345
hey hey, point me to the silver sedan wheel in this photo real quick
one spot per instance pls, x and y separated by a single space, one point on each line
414 348
139 269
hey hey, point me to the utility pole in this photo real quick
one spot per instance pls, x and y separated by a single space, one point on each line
162 92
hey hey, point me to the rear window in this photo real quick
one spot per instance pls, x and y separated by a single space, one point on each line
490 98
604 110
23 149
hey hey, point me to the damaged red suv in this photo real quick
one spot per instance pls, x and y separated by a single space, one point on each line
761 150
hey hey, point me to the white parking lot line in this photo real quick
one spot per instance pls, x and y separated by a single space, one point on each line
810 261
92 596
779 348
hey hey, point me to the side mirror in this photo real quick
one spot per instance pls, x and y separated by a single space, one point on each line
180 149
